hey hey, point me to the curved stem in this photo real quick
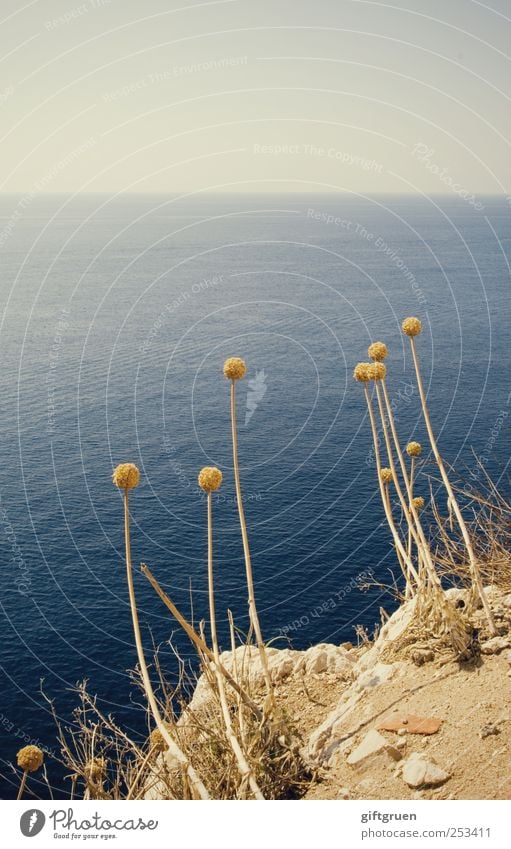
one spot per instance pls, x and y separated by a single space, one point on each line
243 766
459 516
174 749
246 551
199 643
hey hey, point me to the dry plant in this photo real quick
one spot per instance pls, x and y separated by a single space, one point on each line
234 370
434 617
232 740
490 532
412 327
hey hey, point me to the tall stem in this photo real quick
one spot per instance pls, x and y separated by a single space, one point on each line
22 785
474 568
415 524
246 551
412 475
386 502
243 766
174 749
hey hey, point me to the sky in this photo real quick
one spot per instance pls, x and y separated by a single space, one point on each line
255 96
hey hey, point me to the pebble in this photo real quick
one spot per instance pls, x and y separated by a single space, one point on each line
420 772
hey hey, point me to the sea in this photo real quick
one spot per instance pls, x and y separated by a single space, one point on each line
117 315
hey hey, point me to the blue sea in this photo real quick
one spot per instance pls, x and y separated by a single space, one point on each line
117 315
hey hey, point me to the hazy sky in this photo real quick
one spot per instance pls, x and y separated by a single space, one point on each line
255 95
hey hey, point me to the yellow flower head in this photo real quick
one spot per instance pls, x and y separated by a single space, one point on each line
377 351
210 478
413 449
386 475
126 476
235 368
418 503
156 741
361 372
377 371
30 758
95 769
411 326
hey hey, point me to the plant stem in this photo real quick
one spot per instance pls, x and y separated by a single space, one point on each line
415 525
198 642
474 568
243 766
246 550
174 749
22 785
386 502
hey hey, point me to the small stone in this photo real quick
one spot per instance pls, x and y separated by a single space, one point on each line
495 645
488 730
402 732
372 745
420 772
344 793
401 743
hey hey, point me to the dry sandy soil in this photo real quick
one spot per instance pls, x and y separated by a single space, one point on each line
473 743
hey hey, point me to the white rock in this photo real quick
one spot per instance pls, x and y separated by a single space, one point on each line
418 771
375 676
324 741
344 793
373 744
392 629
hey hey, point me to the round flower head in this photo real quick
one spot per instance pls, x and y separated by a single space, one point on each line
235 368
377 351
411 326
418 502
210 478
413 449
96 769
377 371
386 475
30 758
361 372
156 741
126 476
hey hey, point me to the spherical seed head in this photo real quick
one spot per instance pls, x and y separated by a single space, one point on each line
361 372
377 371
95 769
210 478
235 368
156 741
377 351
411 326
413 449
30 758
418 502
126 476
386 475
